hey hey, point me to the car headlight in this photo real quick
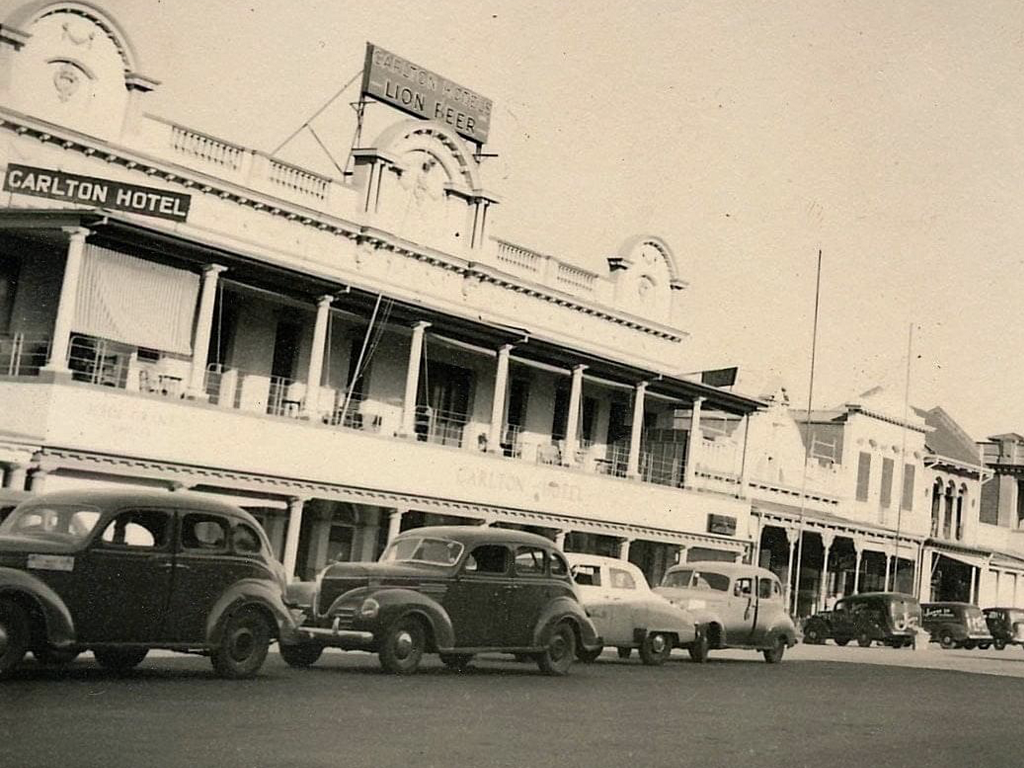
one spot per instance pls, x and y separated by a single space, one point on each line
369 609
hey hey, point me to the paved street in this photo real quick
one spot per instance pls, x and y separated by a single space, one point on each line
821 707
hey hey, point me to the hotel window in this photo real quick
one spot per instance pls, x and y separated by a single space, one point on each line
885 494
560 419
863 475
8 286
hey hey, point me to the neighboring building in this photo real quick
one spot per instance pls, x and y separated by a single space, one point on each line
345 356
1001 525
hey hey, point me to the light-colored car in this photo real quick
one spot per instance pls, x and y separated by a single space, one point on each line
742 605
627 613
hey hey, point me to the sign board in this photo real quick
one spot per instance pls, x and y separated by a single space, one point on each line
102 193
722 524
420 92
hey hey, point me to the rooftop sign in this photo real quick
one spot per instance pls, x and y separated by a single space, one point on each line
420 92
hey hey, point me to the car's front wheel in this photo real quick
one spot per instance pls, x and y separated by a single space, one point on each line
814 634
301 655
999 644
403 646
655 648
698 650
244 644
774 653
864 640
946 639
14 636
842 640
457 662
589 657
122 659
557 657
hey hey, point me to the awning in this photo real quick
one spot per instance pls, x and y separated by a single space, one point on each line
962 557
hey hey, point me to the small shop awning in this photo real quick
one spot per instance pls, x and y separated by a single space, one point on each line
967 557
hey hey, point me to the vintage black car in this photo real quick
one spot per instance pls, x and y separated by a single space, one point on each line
955 625
122 572
457 591
890 618
1006 625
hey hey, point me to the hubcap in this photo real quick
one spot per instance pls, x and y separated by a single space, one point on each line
658 643
243 645
403 644
557 647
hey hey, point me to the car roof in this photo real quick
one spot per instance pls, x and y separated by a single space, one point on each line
723 567
879 595
579 557
108 499
475 534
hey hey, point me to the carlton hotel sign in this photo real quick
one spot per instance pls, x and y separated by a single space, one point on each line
103 193
420 92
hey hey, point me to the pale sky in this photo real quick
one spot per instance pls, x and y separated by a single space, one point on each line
747 134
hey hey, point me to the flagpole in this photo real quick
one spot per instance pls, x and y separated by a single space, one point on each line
807 441
903 461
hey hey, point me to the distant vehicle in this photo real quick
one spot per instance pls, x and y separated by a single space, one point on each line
628 614
955 625
1006 625
740 604
121 572
456 591
890 618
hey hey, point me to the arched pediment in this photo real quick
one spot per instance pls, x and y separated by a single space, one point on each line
646 248
412 138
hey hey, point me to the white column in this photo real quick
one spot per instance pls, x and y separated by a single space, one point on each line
624 549
560 539
394 523
291 540
693 444
498 402
859 549
636 432
792 537
888 567
58 360
572 424
37 480
311 404
827 540
412 379
14 477
975 571
204 325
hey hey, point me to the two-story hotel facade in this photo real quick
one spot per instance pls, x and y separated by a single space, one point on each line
344 356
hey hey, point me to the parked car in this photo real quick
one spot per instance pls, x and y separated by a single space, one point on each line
627 613
122 572
457 591
955 625
741 606
890 618
1006 625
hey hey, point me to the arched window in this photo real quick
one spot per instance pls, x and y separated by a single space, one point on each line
947 520
936 506
961 500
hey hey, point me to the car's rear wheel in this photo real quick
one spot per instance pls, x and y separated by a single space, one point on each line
946 639
624 653
55 656
589 657
403 646
774 653
864 640
557 657
842 640
814 634
999 644
984 646
969 645
655 649
301 655
457 662
244 644
14 636
698 650
122 659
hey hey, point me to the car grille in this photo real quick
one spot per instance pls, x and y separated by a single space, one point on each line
345 617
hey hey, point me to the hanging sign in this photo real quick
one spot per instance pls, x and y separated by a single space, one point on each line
103 193
420 92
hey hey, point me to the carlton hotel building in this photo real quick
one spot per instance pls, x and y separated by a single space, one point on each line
345 357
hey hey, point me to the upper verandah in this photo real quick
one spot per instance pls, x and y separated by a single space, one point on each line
71 77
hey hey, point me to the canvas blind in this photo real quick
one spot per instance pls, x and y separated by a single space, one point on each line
127 299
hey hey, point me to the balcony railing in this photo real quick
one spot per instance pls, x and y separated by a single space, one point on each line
442 427
21 355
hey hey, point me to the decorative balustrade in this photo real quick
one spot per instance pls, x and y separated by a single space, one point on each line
206 148
298 180
434 425
519 258
575 279
21 355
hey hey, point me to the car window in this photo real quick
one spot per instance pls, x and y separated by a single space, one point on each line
422 549
587 575
530 561
488 558
67 521
204 533
558 565
764 589
744 587
715 581
678 579
137 529
245 540
622 579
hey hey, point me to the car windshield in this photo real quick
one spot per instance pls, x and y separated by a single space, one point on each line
695 579
68 522
422 549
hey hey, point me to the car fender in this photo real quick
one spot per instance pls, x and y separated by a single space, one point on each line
672 620
395 603
251 592
783 629
57 621
562 608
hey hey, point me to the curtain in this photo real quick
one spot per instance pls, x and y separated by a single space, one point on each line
136 302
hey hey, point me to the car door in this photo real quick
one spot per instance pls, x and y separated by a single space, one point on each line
767 608
479 599
592 580
623 589
204 568
123 579
532 589
738 611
